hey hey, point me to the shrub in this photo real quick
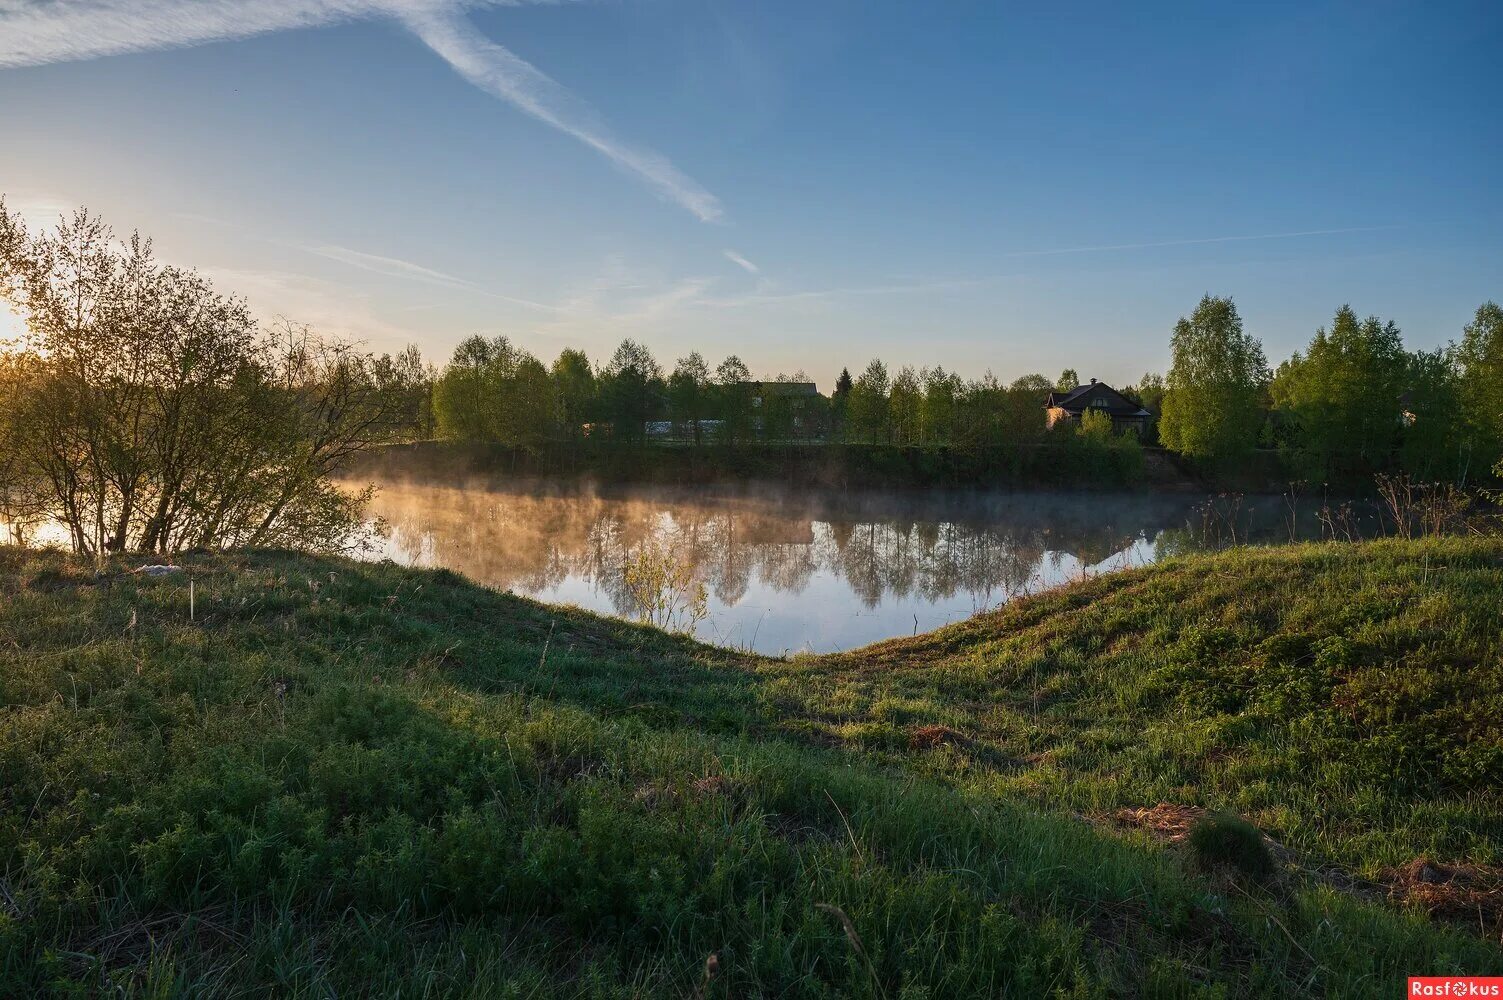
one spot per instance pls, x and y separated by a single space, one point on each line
1218 840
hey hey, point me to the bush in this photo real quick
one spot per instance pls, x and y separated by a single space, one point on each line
1218 840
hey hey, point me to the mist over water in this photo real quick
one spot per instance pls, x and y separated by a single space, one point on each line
785 571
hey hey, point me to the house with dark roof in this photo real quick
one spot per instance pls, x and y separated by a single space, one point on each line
1071 405
787 408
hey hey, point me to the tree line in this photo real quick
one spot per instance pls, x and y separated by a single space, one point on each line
146 411
1354 403
492 390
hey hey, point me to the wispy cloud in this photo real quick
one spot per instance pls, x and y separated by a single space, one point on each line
331 307
501 73
921 287
392 267
741 262
389 266
1200 242
39 32
857 291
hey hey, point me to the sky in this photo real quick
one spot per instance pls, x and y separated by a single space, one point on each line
980 185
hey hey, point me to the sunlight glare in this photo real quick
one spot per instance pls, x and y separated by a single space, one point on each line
12 327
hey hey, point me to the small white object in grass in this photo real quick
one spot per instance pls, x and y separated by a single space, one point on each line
158 570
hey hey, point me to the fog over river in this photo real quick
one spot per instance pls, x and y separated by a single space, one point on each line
789 571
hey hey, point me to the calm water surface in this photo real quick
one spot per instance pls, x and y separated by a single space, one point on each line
793 571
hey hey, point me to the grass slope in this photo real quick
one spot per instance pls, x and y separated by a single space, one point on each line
362 780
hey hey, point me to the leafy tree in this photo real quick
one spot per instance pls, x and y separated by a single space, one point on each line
1479 358
688 393
979 406
905 407
867 407
1035 384
1068 379
840 402
463 394
1435 446
22 502
1149 394
151 413
733 391
942 392
631 391
534 404
1021 408
1095 425
1213 394
491 391
1341 398
785 415
574 391
409 382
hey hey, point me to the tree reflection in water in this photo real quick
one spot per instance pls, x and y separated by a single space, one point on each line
803 563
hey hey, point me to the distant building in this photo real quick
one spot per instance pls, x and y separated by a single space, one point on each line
1126 415
682 430
795 407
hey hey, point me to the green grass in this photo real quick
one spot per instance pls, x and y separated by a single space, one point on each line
363 780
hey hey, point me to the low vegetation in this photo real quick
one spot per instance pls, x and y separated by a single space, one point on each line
279 773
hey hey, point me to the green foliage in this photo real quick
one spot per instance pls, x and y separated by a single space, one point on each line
492 391
1095 426
839 403
1220 840
1435 446
1343 398
632 391
905 408
1213 394
574 391
145 411
1096 454
1479 357
867 409
1149 394
361 780
733 392
689 394
940 409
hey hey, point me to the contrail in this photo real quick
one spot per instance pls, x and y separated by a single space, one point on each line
499 72
741 262
393 267
41 32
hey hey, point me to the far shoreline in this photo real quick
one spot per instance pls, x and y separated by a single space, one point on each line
1022 468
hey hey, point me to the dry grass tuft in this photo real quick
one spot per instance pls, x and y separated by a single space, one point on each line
1463 893
929 737
1165 821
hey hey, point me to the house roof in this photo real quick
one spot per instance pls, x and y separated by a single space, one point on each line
1095 395
785 388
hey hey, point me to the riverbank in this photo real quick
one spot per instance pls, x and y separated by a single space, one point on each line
311 776
1076 465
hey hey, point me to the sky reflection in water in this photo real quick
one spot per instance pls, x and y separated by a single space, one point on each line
785 571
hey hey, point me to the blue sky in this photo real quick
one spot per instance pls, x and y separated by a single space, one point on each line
980 185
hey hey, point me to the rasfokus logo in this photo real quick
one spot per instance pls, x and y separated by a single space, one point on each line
1456 986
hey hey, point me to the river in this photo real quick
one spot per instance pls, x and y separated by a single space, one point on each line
787 572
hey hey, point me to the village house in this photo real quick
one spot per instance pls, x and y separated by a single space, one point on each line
1070 405
791 406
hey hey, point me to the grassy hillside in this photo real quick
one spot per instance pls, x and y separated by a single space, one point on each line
342 779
